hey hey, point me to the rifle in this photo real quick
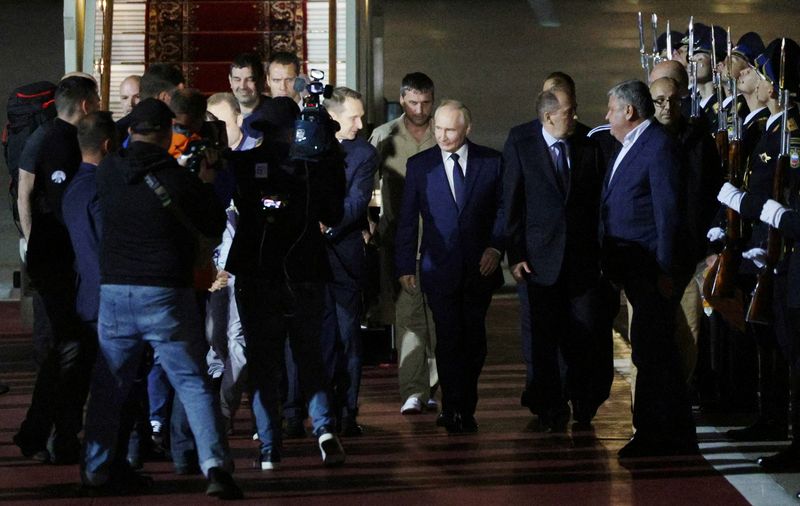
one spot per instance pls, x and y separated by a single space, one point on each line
728 261
760 310
731 256
693 71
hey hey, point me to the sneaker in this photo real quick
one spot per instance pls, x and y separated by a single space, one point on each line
412 406
432 405
268 461
221 485
331 449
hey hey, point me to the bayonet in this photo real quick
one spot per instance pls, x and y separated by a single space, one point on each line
654 22
642 52
693 70
669 42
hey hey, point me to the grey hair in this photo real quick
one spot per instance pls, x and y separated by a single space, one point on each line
636 94
546 102
456 104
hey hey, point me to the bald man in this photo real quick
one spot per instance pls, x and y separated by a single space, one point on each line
700 179
129 93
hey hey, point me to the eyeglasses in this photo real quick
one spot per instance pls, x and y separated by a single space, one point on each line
662 102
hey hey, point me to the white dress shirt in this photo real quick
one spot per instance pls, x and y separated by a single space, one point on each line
627 144
551 146
449 164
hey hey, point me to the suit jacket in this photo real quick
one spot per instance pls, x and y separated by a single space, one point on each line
701 177
544 226
345 242
452 241
639 204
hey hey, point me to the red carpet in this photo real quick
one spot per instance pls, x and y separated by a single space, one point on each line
402 460
203 36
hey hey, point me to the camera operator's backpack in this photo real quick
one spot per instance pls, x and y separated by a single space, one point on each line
28 107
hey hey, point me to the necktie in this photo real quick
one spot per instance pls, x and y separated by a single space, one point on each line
562 167
459 183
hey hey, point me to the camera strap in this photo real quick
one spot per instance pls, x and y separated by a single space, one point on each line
205 245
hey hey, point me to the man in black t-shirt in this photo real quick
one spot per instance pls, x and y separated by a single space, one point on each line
62 382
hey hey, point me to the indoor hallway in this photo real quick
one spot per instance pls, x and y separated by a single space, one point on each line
407 460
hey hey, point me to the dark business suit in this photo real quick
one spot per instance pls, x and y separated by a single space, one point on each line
555 231
453 242
639 219
341 340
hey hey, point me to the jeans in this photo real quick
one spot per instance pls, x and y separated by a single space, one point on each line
271 312
168 319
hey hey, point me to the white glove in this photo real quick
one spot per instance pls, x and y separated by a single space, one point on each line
772 212
731 196
715 234
757 255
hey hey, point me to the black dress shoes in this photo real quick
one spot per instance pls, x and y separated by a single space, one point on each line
787 459
351 428
761 431
640 448
444 419
469 424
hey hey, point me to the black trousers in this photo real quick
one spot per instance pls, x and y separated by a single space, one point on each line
62 383
662 412
460 320
575 319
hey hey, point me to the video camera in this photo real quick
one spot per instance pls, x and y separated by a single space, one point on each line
314 130
214 140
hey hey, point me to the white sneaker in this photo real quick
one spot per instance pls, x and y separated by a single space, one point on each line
432 405
412 406
331 449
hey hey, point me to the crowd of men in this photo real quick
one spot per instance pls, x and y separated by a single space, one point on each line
190 252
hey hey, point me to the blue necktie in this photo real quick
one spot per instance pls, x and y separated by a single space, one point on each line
562 167
459 182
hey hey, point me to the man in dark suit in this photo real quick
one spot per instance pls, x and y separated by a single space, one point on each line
457 190
341 324
552 192
639 209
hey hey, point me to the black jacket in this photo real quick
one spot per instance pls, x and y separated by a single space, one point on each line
271 242
542 226
143 243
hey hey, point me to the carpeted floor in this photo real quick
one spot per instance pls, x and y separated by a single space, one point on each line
401 460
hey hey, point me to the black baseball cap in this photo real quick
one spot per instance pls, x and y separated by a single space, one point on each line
151 115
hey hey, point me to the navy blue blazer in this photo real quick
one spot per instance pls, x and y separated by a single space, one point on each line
81 211
345 242
545 227
640 203
452 242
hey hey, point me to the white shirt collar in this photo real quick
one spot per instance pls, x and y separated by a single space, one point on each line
752 114
634 134
704 101
773 118
727 101
462 156
549 139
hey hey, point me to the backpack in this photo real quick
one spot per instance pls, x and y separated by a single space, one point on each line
28 107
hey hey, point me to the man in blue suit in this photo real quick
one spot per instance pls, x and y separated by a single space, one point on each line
553 178
639 207
456 188
341 324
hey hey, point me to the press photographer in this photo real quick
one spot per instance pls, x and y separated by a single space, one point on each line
281 265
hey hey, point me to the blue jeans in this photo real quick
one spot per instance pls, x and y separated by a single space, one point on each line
270 313
168 319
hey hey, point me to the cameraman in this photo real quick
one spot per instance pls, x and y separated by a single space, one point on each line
281 266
